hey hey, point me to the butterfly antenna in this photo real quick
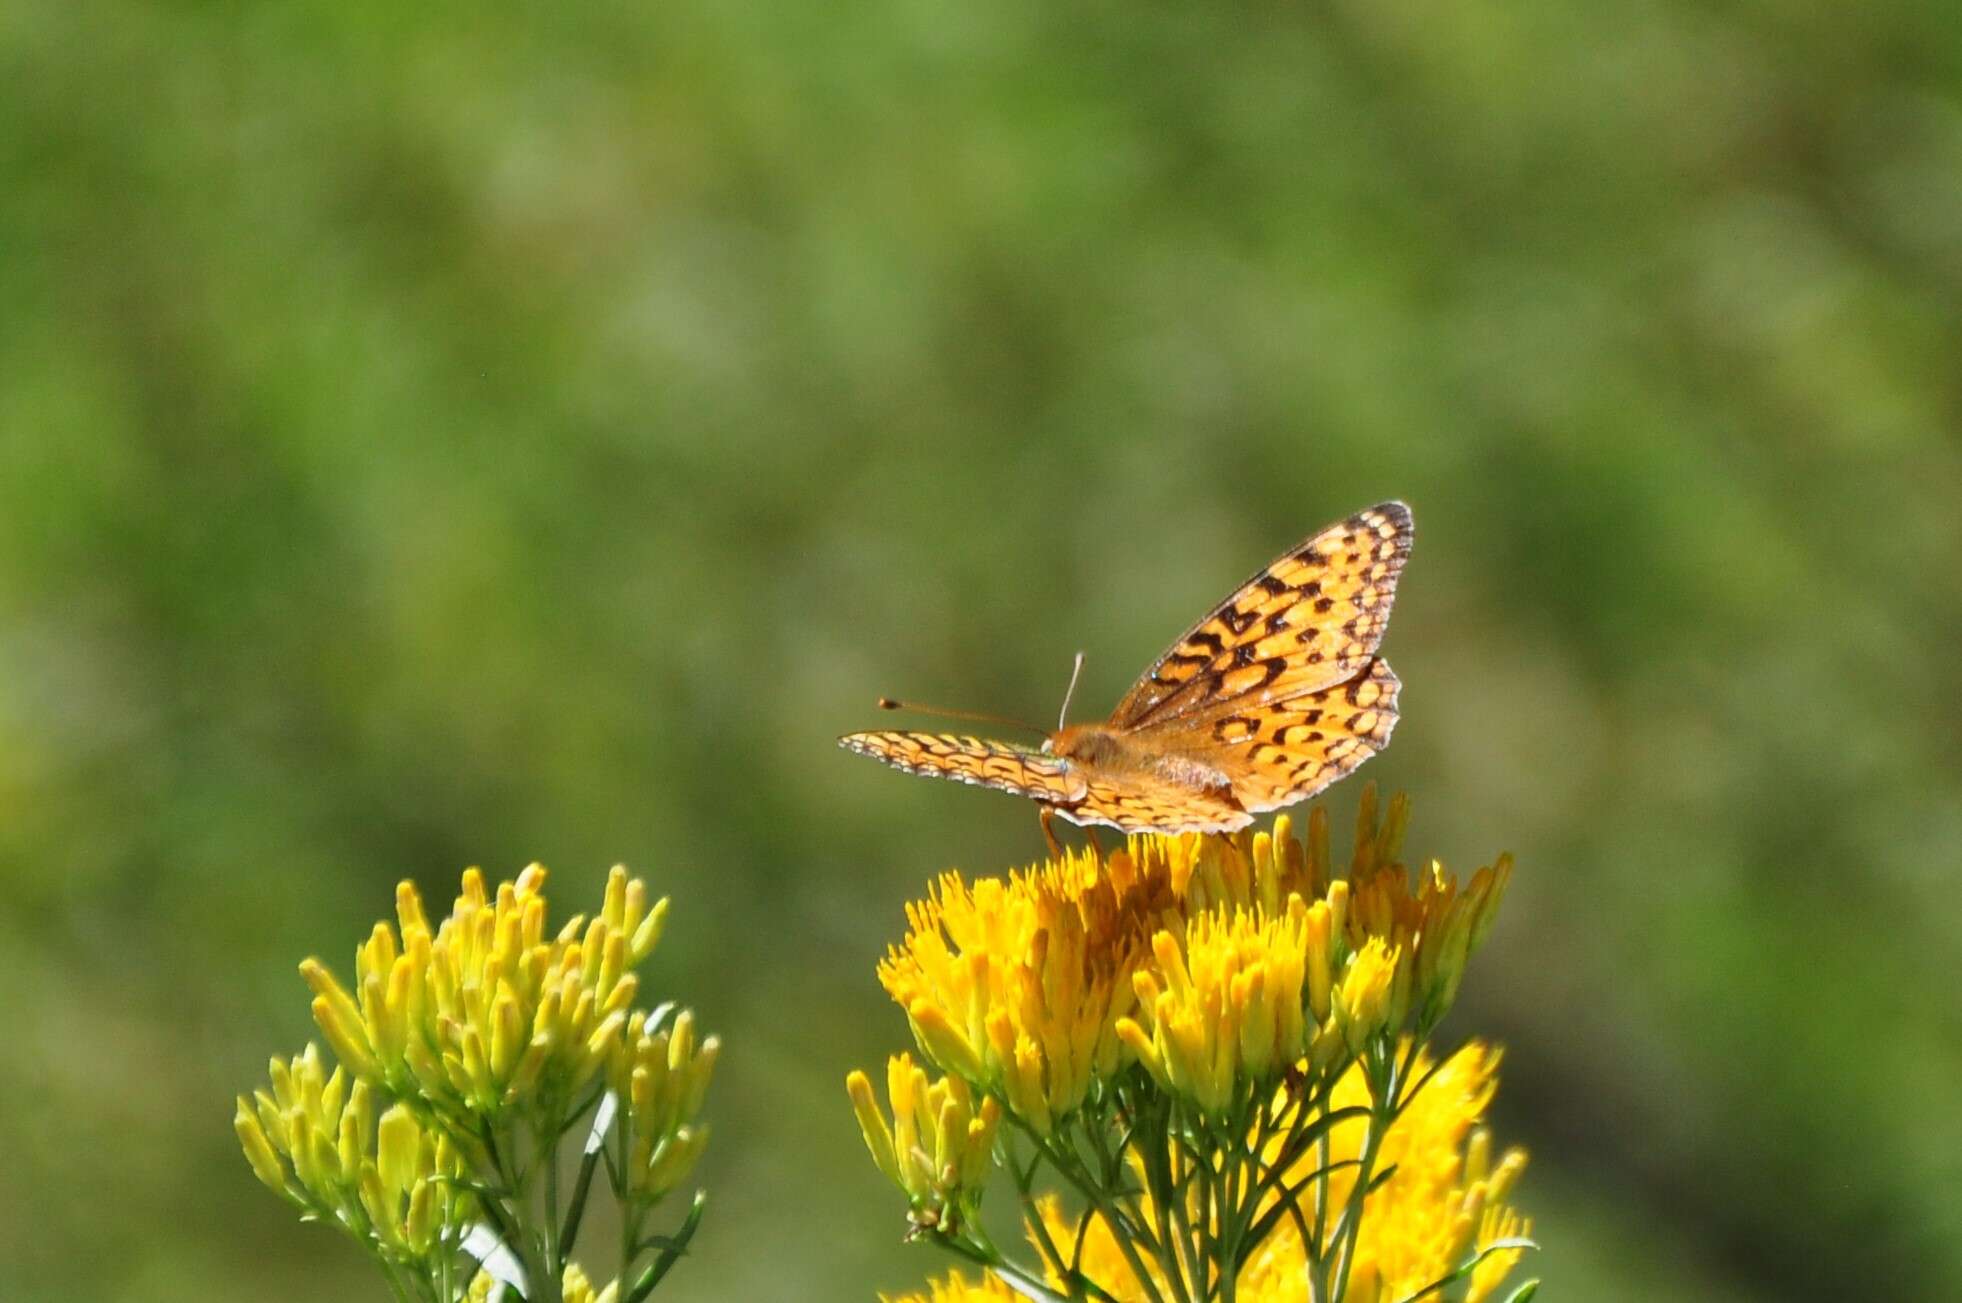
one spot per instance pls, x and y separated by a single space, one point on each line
1063 715
887 703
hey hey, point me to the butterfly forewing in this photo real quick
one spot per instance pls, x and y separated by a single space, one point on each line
972 760
1311 619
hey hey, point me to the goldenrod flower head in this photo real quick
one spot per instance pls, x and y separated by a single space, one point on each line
938 1146
487 1010
313 1138
1024 986
660 1078
1223 1003
574 1288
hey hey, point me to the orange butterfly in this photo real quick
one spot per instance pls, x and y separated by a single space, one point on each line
1266 701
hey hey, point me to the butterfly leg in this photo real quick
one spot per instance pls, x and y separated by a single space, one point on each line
1047 815
1095 845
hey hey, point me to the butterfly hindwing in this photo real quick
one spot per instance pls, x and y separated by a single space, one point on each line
1141 803
1310 620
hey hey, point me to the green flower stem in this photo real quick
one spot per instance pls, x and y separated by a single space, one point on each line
1318 1272
555 1249
670 1253
1110 1159
1080 1285
1305 1133
1187 1265
393 1277
1124 1229
1290 1196
542 1285
576 1212
1083 1223
633 1215
1031 1214
446 1270
1007 1270
1149 1139
583 1183
1382 1115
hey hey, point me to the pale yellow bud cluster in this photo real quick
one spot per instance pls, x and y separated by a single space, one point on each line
487 1010
660 1079
938 1147
314 1138
574 1288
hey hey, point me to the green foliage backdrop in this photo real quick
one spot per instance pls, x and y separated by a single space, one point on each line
435 435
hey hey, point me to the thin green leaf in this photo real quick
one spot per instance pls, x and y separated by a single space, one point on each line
1464 1269
677 1245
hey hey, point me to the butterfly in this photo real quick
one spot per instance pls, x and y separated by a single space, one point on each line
1272 696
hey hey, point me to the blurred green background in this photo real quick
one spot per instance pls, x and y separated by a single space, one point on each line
434 435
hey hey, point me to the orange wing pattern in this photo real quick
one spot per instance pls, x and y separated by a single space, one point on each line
1310 620
1283 752
972 760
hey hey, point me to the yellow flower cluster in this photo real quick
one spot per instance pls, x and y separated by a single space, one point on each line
660 1078
313 1138
1016 985
574 1288
486 1009
938 1146
1443 1202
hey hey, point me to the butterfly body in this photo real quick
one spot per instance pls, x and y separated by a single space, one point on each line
1275 694
1099 751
